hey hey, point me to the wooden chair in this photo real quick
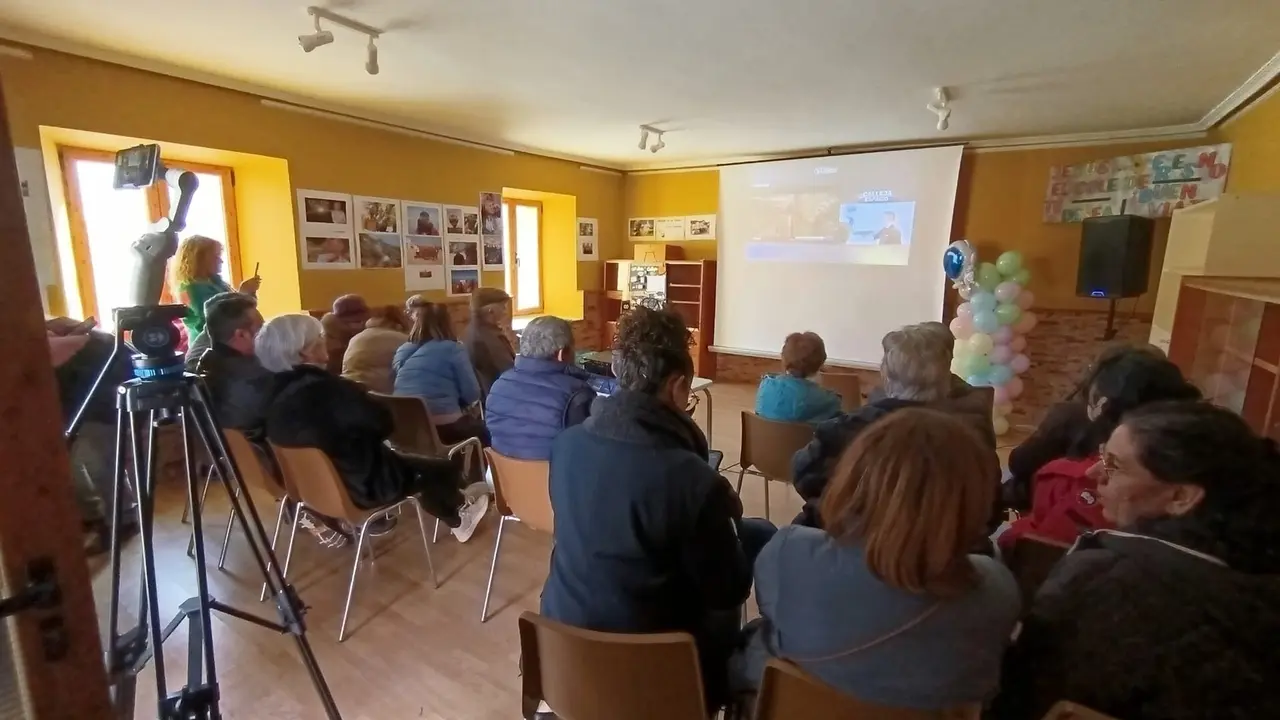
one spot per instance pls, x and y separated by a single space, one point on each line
787 692
1064 710
1031 559
258 476
521 489
321 489
588 675
415 432
847 385
767 446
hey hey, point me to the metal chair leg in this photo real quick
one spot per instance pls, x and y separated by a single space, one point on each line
493 567
293 535
436 532
742 470
351 587
766 496
279 519
191 543
226 538
426 546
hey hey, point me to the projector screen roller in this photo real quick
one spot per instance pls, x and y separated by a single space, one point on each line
847 246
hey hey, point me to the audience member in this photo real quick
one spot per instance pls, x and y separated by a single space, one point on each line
915 371
959 389
644 533
1062 427
343 322
370 353
1065 491
315 408
486 336
1175 617
543 394
886 604
434 366
792 395
198 277
239 386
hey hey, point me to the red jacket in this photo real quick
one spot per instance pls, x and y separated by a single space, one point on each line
1064 504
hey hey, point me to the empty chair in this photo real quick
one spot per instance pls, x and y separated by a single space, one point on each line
521 489
845 384
256 474
320 488
767 446
588 675
787 692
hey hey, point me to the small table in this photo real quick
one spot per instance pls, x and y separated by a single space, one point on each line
699 385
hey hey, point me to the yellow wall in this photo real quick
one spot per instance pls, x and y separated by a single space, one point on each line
1255 158
561 279
66 91
672 194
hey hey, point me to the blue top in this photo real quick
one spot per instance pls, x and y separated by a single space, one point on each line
787 398
818 598
532 402
439 372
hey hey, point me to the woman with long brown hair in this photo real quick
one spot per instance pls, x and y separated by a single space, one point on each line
886 603
434 366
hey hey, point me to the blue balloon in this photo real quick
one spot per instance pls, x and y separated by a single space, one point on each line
982 301
985 321
978 381
953 262
1000 374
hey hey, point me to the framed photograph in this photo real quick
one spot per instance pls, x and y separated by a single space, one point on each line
460 220
463 282
328 252
700 227
670 229
491 214
588 242
640 228
495 251
422 219
377 215
325 236
324 212
464 254
380 250
424 267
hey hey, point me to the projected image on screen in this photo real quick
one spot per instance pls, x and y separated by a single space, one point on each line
886 224
816 225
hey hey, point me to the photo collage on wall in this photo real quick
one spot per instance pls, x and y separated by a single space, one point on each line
462 248
672 229
588 240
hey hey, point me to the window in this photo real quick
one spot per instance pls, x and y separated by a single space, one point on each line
106 221
524 242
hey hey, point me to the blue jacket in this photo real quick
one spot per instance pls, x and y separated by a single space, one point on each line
532 402
439 372
787 398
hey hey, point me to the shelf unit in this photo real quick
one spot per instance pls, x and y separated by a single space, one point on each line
1226 339
691 292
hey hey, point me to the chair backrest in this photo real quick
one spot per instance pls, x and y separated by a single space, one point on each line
1064 710
413 430
587 675
845 384
252 468
317 482
522 489
767 445
787 692
1031 559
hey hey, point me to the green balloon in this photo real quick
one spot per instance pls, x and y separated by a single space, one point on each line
977 365
1022 277
988 277
1009 263
1008 313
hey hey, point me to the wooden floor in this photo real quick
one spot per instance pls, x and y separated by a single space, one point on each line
412 651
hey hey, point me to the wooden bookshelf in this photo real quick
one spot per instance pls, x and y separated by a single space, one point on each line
691 292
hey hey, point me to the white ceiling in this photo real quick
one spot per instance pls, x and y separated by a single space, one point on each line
729 78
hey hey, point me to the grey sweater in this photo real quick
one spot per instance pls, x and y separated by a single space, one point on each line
818 599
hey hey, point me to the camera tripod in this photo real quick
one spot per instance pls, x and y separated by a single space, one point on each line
157 400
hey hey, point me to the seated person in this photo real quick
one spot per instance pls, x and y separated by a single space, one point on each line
343 322
369 354
543 394
644 535
315 408
1065 491
239 387
915 371
886 604
486 339
1063 424
1175 617
792 395
434 366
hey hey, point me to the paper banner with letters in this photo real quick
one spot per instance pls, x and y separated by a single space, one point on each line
1151 185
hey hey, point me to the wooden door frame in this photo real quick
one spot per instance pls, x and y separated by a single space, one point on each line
39 518
509 207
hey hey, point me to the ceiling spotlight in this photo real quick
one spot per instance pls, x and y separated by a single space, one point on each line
940 107
314 40
371 65
644 137
658 145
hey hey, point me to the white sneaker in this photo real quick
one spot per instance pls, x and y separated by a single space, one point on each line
471 513
476 489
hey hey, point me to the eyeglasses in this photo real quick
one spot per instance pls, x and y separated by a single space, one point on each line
1108 466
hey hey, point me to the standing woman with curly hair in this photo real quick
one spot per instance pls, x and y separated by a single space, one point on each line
197 276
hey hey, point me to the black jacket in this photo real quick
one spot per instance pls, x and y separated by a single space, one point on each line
75 378
1055 436
314 408
240 389
644 531
1142 627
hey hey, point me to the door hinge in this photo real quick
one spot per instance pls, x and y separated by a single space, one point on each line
41 592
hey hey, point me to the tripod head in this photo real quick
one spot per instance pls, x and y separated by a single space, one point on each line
153 337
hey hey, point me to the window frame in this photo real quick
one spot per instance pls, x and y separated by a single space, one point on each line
512 269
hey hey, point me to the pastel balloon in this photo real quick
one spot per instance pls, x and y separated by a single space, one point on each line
964 310
1007 291
1018 343
964 292
988 277
961 327
1001 396
1008 313
985 322
980 343
982 301
1000 374
1025 299
1000 425
1002 408
1003 335
1022 277
977 365
1020 363
1013 388
1001 355
1024 324
978 380
1009 263
957 365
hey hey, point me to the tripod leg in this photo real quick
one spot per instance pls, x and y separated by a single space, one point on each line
283 502
202 580
117 521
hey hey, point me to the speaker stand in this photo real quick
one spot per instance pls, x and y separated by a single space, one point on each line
1110 333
